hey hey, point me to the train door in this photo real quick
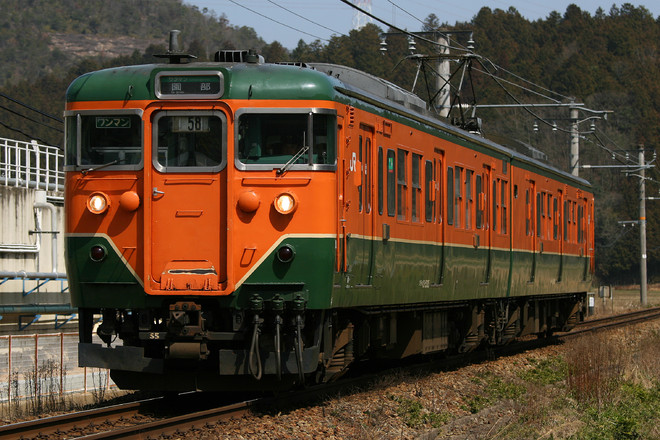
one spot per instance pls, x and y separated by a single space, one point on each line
558 232
358 207
366 201
531 226
483 217
434 207
582 233
188 201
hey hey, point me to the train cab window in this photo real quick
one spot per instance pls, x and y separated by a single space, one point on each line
298 138
391 184
189 141
103 138
416 187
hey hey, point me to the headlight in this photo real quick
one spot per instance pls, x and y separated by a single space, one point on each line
285 203
98 203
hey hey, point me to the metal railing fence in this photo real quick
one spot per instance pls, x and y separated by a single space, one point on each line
31 165
45 364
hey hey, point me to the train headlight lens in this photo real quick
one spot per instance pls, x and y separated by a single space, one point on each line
286 253
97 253
285 203
98 203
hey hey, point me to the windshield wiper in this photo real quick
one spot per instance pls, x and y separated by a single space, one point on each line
114 162
291 161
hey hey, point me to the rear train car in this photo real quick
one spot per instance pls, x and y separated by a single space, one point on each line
242 225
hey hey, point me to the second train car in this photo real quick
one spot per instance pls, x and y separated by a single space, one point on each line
244 225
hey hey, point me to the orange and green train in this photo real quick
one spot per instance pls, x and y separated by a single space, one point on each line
242 225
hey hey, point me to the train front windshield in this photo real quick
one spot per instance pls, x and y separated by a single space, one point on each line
277 136
104 138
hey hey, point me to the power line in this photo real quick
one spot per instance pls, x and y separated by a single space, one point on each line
278 22
305 18
27 135
31 108
390 25
403 10
30 119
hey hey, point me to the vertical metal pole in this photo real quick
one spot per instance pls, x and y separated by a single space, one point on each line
575 142
444 72
642 230
9 376
61 362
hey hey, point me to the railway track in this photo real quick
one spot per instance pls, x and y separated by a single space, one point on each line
93 424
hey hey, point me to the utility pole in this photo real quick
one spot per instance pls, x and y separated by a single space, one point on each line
575 142
642 229
641 166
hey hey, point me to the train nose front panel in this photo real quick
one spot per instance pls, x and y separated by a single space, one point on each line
188 233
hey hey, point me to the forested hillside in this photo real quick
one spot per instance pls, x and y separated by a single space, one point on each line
608 61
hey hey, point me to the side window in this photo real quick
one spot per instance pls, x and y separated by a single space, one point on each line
360 171
429 187
391 184
458 181
503 206
566 217
366 181
539 213
380 180
468 199
528 214
495 212
401 184
481 198
450 195
416 187
580 217
555 222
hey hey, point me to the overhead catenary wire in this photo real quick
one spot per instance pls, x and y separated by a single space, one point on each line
307 19
390 25
403 10
278 22
16 101
30 119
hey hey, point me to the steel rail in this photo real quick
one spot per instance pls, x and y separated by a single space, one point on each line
209 417
77 420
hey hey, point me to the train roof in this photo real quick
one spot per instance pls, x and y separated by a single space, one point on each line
300 81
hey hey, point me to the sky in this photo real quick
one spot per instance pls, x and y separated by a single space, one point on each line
289 21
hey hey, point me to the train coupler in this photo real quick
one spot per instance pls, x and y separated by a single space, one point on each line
185 319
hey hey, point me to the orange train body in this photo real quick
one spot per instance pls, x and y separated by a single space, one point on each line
245 225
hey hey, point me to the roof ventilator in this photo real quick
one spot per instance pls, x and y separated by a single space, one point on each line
239 56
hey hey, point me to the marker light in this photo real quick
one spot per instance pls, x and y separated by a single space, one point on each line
285 203
98 203
97 253
286 253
